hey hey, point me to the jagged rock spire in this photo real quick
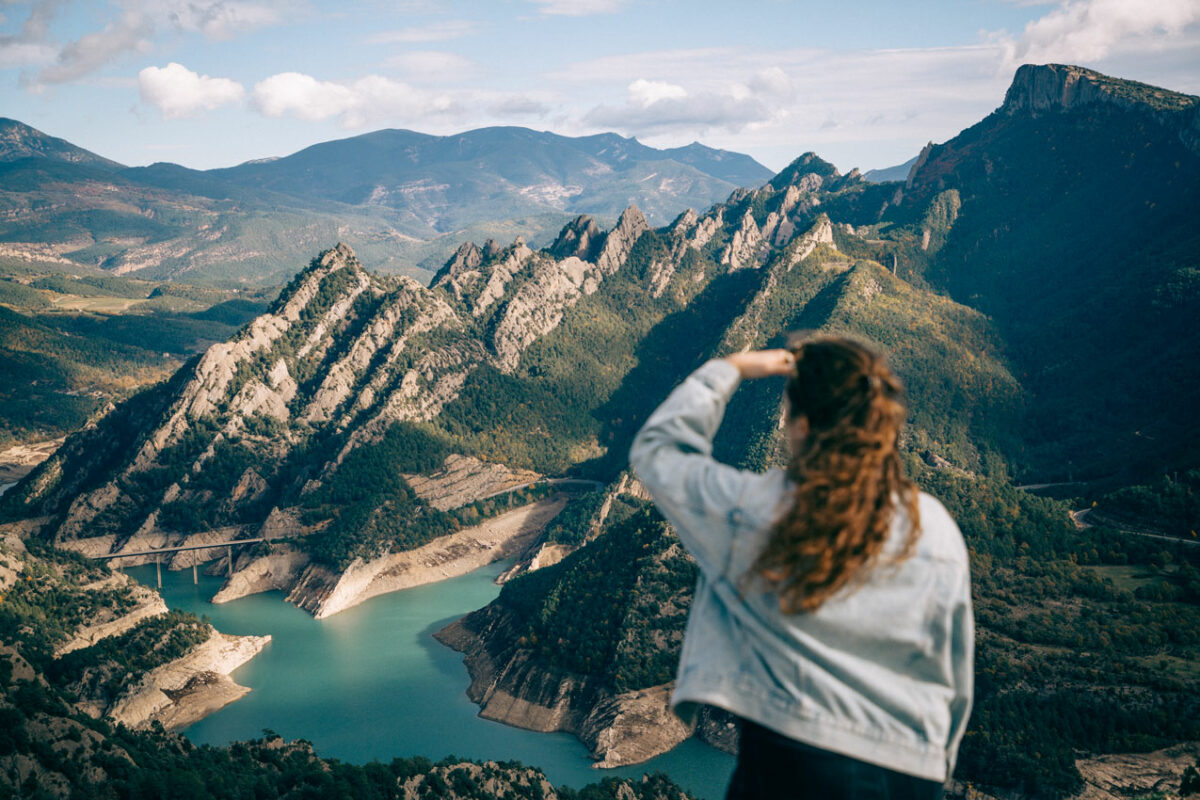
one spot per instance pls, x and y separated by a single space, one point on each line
579 237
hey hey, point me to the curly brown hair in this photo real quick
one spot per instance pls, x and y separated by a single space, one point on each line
847 470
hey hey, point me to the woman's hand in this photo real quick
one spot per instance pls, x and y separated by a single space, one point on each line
763 363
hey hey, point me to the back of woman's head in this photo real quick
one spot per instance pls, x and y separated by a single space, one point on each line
847 470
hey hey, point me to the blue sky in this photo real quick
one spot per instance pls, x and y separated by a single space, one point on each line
209 83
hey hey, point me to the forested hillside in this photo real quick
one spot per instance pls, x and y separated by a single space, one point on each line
1013 307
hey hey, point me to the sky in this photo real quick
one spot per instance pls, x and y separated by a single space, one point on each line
863 83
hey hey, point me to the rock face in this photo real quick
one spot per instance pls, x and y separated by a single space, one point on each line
1048 88
581 239
325 593
147 603
742 331
1114 777
189 688
464 479
539 303
279 570
510 687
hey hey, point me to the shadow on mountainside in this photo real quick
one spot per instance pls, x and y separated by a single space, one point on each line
673 348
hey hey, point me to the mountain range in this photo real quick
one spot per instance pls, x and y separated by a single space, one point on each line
1031 279
402 198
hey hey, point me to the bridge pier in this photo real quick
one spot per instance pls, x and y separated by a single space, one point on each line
230 561
158 569
195 578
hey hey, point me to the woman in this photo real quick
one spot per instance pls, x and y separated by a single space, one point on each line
833 609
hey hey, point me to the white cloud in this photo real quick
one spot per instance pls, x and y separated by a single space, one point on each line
432 64
15 53
178 92
1081 31
859 108
93 50
518 106
224 19
370 99
301 96
434 32
771 81
655 107
29 45
579 8
645 93
132 28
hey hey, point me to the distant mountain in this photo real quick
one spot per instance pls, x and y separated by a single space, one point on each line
404 199
886 174
445 182
18 140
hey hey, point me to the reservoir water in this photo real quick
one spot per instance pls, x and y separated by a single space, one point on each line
372 683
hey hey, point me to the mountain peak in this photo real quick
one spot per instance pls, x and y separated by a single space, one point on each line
808 164
1061 87
580 237
18 140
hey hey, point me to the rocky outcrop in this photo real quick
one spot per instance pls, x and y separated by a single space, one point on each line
503 270
19 460
1050 88
742 331
278 570
539 303
324 593
744 246
1122 775
620 240
407 311
480 277
579 238
510 686
465 479
108 622
187 689
208 388
549 553
465 261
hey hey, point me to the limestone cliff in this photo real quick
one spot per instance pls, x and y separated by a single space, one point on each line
188 688
512 687
553 287
1050 88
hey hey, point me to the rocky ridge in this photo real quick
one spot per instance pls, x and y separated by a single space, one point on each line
344 356
1049 88
341 357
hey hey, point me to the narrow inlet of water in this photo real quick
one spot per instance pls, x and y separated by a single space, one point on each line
372 683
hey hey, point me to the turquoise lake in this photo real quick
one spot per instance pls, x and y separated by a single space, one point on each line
372 683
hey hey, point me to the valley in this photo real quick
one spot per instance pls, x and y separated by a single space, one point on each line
389 437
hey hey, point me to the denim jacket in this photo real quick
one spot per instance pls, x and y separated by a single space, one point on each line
881 672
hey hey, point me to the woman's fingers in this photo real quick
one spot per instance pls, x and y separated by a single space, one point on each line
763 363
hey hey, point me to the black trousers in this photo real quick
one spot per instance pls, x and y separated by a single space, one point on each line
773 767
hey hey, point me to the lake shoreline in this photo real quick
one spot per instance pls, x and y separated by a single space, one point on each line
385 687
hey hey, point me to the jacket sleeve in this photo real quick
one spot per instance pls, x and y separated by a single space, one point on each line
963 653
672 456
